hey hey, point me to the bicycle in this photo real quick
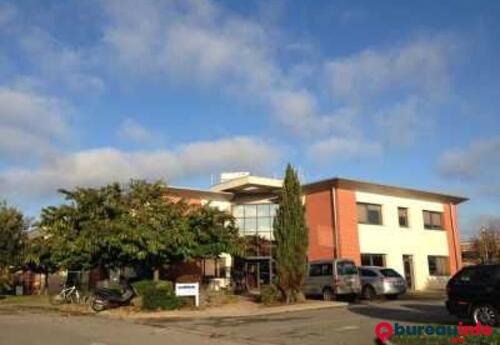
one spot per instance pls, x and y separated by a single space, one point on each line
68 294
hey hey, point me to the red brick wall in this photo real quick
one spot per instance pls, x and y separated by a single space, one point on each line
319 218
347 221
451 227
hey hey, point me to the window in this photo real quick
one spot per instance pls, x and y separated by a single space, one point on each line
438 265
315 270
255 219
320 270
403 217
369 214
390 273
373 260
367 273
346 268
433 220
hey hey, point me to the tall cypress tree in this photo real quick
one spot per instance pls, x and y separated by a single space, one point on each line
291 236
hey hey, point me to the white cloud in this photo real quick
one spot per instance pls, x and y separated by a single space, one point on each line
30 123
60 63
200 42
421 65
477 164
401 123
336 148
103 165
53 62
132 130
481 156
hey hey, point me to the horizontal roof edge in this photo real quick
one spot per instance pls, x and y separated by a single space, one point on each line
382 189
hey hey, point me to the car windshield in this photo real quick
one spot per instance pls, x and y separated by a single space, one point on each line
390 273
346 268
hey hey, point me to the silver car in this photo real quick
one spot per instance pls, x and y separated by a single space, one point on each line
333 278
381 281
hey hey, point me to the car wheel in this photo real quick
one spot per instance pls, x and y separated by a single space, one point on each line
392 296
369 293
327 294
486 314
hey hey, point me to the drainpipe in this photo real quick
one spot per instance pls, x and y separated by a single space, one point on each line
336 249
453 233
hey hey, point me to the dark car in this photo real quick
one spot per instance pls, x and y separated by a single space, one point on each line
474 293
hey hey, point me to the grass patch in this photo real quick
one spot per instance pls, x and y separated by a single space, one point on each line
35 300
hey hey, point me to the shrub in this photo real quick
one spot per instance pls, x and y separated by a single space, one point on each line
270 294
157 295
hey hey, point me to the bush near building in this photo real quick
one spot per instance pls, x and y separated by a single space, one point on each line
157 295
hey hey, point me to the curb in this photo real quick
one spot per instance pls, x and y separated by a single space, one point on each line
264 311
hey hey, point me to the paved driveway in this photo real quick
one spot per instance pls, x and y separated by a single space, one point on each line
350 326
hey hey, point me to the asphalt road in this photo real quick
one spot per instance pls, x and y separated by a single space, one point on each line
347 325
352 325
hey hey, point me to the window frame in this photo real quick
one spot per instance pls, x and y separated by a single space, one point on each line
438 273
432 226
371 259
367 204
407 226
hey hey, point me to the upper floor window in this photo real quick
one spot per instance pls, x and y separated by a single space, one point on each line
403 217
255 219
433 220
369 213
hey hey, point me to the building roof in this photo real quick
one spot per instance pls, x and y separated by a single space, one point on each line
249 185
382 189
200 193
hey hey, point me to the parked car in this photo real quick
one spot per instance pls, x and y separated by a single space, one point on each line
474 293
332 279
381 281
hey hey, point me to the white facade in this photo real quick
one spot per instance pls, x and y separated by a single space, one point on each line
394 241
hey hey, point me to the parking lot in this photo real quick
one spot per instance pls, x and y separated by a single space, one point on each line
350 325
345 325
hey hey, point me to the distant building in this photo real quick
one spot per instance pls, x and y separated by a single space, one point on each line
412 231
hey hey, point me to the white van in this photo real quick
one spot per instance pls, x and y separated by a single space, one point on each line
332 278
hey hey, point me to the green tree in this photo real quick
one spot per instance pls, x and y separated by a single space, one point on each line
291 236
136 225
214 232
13 228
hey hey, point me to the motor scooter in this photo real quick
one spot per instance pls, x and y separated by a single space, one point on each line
105 298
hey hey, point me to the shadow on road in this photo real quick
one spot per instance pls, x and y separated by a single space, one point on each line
417 313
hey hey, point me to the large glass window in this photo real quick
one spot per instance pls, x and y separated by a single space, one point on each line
433 220
255 222
369 213
438 265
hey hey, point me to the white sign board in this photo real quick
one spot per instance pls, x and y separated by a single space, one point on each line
188 289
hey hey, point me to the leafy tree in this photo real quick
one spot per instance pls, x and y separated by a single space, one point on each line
291 236
136 225
214 232
13 228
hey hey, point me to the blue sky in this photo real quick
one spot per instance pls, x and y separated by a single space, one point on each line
392 92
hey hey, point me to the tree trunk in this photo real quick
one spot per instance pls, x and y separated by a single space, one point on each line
156 274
